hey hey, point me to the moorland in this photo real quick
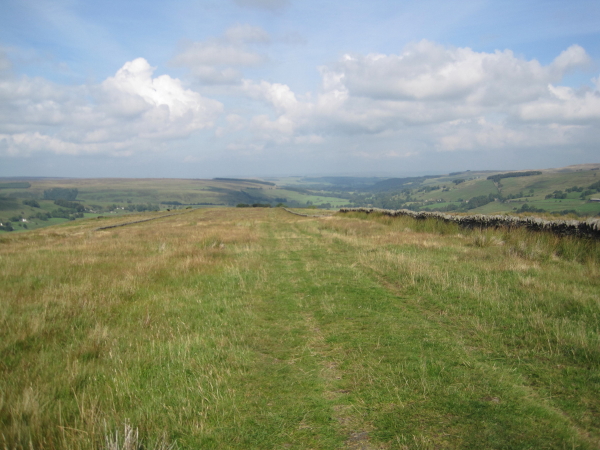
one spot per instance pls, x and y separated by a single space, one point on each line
31 203
254 328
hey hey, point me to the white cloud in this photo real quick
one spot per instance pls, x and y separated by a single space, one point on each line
278 95
572 58
427 71
564 105
216 61
126 113
428 97
214 53
247 34
443 98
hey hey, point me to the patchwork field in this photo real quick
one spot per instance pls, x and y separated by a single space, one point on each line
251 328
31 203
123 196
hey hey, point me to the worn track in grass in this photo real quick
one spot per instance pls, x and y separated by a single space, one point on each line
255 328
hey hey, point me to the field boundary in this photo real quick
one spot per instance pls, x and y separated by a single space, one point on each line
587 228
139 221
304 215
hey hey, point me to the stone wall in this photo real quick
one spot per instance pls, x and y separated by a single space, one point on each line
587 228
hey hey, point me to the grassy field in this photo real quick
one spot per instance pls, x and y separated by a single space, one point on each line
530 190
253 328
122 196
114 196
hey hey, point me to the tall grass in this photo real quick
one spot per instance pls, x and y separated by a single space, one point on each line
255 328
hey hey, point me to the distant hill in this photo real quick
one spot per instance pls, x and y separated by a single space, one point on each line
31 202
244 180
399 183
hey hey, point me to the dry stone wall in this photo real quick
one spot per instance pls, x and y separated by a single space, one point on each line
588 228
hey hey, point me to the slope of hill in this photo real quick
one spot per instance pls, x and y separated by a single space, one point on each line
31 203
567 190
26 204
238 328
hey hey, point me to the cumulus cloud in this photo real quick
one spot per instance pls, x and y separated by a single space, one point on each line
217 61
565 105
427 97
278 95
128 112
427 71
446 97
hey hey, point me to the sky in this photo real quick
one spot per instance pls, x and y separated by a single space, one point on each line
256 88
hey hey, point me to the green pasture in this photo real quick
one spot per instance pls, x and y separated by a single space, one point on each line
549 182
253 328
466 190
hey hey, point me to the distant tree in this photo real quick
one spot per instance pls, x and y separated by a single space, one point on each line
70 205
6 226
32 203
528 173
528 208
60 193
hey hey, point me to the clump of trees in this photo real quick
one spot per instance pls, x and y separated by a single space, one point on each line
142 207
6 226
427 189
253 205
32 203
557 195
528 208
60 193
528 173
70 205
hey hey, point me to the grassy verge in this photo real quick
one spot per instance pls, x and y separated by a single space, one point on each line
254 328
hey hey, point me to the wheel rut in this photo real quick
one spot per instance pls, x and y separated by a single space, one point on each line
348 422
330 360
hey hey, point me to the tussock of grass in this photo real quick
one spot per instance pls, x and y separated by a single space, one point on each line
255 328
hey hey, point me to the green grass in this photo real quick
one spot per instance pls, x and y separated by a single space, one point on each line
303 198
255 328
548 182
542 185
122 192
466 190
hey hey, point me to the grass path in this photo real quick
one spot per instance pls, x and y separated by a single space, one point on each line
255 328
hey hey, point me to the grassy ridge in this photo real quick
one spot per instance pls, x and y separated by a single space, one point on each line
115 196
256 328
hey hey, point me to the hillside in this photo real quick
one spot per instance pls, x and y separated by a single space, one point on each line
553 191
34 199
30 203
243 328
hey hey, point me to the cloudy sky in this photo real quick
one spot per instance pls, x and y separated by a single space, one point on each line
207 88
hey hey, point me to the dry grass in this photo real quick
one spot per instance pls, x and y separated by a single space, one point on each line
252 328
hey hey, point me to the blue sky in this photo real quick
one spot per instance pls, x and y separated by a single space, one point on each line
282 87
